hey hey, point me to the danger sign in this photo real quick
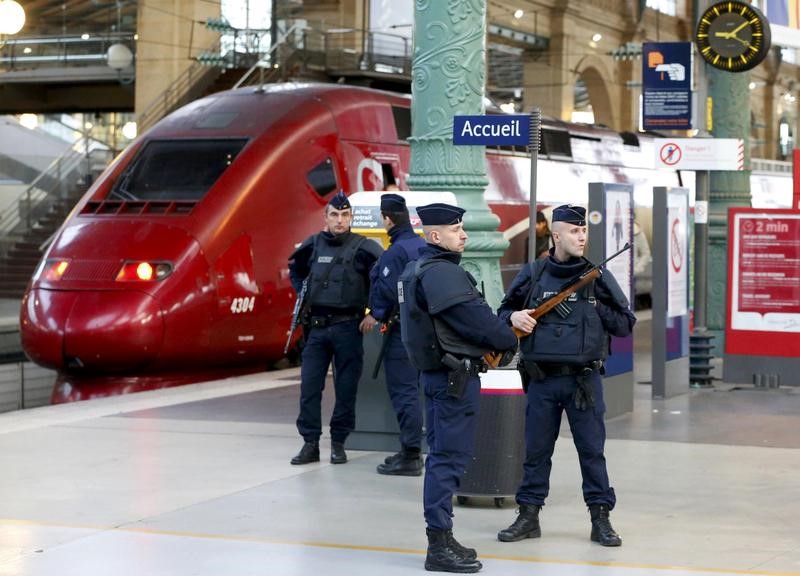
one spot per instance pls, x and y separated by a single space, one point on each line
700 153
670 154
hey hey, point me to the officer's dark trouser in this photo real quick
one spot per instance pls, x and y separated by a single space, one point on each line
402 382
451 425
342 342
546 400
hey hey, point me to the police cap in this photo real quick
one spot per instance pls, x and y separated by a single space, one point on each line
340 202
438 214
392 203
570 214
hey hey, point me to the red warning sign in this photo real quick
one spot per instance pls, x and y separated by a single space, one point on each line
670 154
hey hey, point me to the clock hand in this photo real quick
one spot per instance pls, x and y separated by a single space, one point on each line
723 35
739 27
740 41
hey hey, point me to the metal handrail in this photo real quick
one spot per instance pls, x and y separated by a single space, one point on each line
266 61
60 49
172 97
37 191
52 184
368 51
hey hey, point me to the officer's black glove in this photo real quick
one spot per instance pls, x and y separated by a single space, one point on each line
584 396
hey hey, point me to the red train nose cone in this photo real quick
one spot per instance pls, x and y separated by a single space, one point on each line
109 331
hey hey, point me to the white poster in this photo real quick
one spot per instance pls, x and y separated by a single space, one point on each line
619 216
677 253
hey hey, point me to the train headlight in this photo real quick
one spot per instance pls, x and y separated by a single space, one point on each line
51 270
139 271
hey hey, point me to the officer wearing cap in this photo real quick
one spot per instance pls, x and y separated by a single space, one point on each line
447 327
561 367
402 379
543 236
336 263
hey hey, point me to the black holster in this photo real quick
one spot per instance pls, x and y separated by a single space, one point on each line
584 394
529 372
458 374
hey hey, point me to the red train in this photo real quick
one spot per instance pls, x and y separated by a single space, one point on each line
173 267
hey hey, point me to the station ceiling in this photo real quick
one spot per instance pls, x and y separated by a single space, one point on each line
50 17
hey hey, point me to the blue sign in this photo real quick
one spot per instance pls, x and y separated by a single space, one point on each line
492 130
667 85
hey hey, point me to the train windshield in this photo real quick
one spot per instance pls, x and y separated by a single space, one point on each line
176 169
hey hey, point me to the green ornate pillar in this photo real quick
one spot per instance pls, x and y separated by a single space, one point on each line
730 94
448 79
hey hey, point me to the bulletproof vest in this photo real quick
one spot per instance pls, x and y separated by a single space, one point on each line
578 338
424 335
342 286
416 327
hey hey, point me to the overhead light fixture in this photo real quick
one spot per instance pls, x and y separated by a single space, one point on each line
597 37
84 36
518 14
129 130
119 56
27 50
29 121
12 17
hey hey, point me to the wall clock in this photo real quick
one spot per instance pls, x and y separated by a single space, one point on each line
733 36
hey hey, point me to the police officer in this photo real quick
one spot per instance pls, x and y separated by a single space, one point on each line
543 236
337 263
446 329
402 379
561 367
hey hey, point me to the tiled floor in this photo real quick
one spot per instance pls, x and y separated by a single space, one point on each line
197 480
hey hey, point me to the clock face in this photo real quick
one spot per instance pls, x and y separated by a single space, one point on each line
733 36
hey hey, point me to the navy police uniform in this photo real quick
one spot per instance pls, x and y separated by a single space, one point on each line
561 367
402 379
447 326
337 267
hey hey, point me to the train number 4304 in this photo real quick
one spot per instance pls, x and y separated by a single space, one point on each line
243 305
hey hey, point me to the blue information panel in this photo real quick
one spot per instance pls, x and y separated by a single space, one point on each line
512 130
667 85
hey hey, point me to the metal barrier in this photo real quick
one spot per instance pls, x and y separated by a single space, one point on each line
22 383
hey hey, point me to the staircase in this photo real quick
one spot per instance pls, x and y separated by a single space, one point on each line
23 254
28 224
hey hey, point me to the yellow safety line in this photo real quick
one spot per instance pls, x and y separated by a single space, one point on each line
417 552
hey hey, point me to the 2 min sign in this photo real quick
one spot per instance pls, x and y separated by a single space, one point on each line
511 130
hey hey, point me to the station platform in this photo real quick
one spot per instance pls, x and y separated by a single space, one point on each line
196 480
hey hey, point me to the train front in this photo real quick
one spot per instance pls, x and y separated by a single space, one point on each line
127 288
123 263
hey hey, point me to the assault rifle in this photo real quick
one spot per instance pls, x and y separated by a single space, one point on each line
556 301
297 314
386 330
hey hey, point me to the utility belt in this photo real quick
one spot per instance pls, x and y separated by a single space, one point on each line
549 370
331 319
459 372
537 371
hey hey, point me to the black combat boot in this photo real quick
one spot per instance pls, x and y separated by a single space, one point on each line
525 526
338 455
602 531
404 463
442 557
308 453
463 551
